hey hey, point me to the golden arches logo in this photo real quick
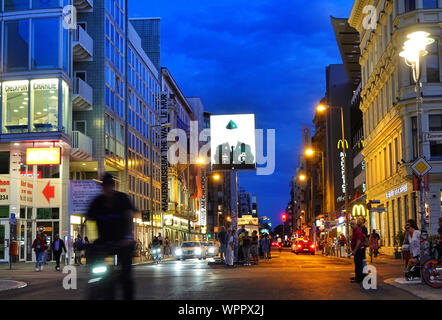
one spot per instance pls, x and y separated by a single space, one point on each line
358 210
343 144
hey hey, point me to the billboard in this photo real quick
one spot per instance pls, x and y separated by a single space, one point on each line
232 142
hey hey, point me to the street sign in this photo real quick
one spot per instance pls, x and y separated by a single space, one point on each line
379 210
421 167
375 201
13 219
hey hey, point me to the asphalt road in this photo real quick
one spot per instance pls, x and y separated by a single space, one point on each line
285 277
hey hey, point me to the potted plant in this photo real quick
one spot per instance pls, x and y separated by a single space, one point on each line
398 242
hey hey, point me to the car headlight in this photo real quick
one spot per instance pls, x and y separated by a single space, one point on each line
211 250
178 252
198 251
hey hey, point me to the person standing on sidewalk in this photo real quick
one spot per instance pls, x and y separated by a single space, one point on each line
246 244
39 247
57 247
254 247
230 249
45 252
374 244
222 238
358 250
265 244
366 242
78 250
342 243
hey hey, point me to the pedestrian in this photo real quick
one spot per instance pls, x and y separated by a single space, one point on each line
361 225
414 239
265 244
374 243
343 243
230 249
39 247
241 233
235 246
358 250
57 247
78 249
261 254
254 247
85 252
246 244
160 239
45 252
406 246
439 239
222 238
166 246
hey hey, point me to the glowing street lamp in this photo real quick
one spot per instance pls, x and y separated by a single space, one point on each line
309 152
321 108
413 49
302 177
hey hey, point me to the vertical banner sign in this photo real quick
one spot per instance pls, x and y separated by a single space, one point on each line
164 113
202 217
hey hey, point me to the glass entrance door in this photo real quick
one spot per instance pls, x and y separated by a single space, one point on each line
21 238
4 234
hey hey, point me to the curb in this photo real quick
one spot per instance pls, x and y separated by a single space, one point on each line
417 289
6 285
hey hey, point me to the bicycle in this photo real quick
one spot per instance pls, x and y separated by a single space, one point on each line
430 270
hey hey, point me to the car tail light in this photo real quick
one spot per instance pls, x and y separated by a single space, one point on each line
299 246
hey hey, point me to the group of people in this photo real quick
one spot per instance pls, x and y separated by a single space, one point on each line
242 248
41 249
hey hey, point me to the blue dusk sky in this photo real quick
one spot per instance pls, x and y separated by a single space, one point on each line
261 57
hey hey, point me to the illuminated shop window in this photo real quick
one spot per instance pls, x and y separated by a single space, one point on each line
44 106
15 106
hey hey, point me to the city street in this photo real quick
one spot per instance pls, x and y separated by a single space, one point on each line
286 277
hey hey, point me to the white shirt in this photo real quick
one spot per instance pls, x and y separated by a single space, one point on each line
415 244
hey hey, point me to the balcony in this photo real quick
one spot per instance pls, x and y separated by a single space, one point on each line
81 147
84 5
83 46
83 96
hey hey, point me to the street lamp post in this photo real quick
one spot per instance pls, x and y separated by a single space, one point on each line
415 48
322 108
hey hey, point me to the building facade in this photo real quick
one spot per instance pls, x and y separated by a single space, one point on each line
389 111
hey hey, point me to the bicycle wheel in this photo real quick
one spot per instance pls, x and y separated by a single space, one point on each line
432 273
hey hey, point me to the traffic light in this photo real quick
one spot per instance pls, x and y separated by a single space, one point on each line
209 236
284 217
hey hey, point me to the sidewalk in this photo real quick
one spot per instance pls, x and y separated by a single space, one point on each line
380 259
416 288
10 285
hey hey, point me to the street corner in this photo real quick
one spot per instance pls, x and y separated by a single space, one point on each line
6 285
416 288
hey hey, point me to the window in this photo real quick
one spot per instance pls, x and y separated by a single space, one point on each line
44 105
4 162
432 62
410 5
48 213
38 4
430 4
4 212
16 40
16 5
49 172
15 106
45 43
435 125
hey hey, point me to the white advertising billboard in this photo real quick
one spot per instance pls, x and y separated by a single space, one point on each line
233 144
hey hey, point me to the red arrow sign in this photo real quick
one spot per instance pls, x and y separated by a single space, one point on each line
49 192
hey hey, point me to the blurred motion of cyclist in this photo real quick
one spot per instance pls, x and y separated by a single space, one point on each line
112 212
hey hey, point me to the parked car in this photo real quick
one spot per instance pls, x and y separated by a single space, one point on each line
191 250
303 246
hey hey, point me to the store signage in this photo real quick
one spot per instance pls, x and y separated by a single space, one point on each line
81 195
342 155
4 189
30 174
26 192
164 118
358 211
16 86
396 192
45 85
202 221
43 156
48 193
248 220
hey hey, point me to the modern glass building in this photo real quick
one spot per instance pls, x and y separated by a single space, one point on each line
36 112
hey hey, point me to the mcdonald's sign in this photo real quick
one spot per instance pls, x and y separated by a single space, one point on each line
359 210
342 144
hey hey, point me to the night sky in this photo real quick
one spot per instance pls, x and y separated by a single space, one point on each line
262 57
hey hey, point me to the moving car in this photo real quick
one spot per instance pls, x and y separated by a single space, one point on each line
303 246
191 250
212 249
276 244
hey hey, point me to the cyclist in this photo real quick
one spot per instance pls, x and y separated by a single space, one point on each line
112 212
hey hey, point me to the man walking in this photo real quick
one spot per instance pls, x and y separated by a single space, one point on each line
39 247
78 250
358 250
222 238
57 247
366 241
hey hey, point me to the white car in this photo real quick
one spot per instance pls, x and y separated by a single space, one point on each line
211 249
191 250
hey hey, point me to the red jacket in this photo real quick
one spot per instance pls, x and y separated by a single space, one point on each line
42 245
